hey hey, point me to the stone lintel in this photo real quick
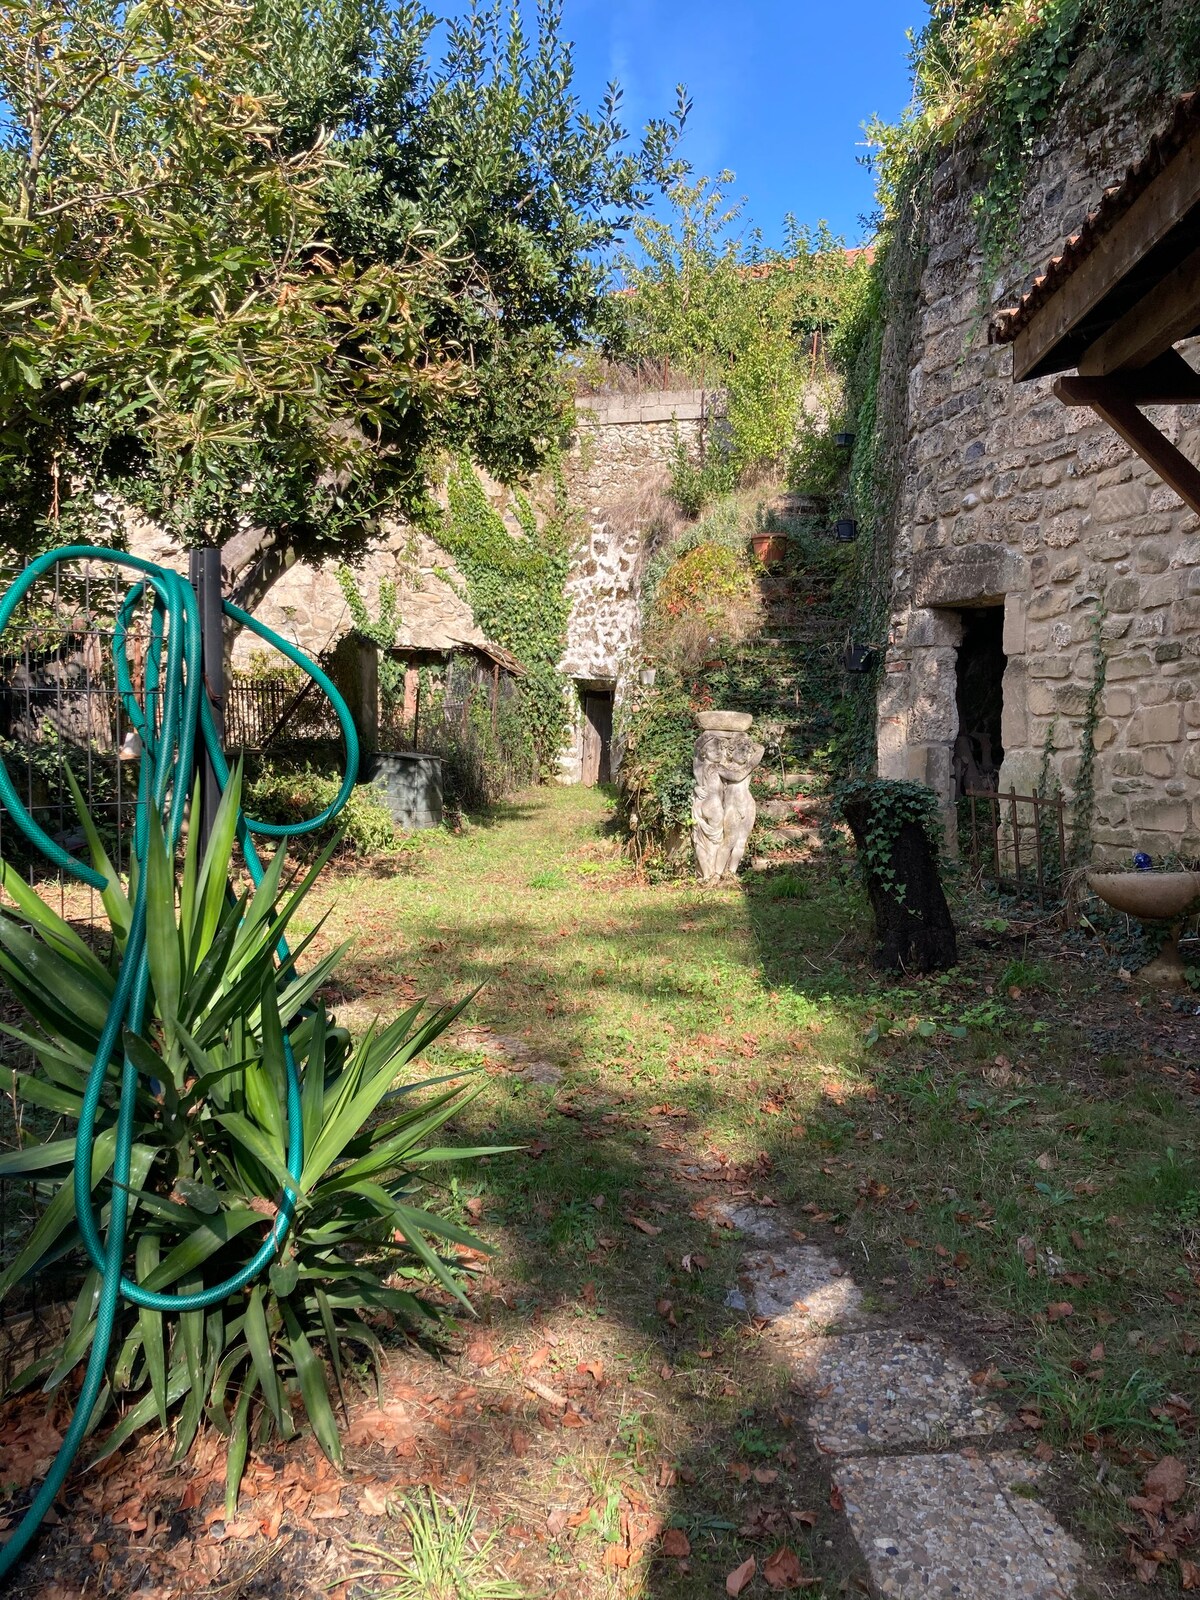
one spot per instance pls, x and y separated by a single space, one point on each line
968 575
661 405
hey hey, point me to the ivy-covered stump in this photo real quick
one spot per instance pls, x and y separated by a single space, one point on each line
895 827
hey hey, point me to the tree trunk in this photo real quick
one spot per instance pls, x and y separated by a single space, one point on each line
913 930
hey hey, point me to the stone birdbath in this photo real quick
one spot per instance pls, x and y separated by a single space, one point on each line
1157 898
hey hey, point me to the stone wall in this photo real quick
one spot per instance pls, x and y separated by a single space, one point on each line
617 470
1008 497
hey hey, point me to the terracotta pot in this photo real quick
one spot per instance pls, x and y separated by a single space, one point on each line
770 548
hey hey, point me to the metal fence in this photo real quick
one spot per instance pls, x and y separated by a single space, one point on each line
272 709
1019 841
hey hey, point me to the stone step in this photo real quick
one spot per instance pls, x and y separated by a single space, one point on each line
933 1522
935 1526
793 832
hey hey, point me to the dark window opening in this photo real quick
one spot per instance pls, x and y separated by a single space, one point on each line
597 736
978 751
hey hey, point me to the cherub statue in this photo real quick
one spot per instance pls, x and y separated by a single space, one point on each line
722 806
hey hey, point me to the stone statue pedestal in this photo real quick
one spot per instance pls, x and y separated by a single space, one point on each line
723 808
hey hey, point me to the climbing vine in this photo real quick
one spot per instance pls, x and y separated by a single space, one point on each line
381 630
1084 803
872 349
891 802
515 585
993 73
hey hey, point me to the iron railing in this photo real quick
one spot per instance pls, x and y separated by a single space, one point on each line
1019 841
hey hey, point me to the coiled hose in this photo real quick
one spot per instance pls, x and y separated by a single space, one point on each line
173 711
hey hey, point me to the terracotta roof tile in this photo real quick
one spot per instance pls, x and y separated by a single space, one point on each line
1116 200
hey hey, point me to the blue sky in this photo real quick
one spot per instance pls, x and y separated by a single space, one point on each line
780 89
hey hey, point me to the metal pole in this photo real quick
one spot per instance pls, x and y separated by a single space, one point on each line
204 573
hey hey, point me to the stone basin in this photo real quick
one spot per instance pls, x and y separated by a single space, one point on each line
724 721
1149 896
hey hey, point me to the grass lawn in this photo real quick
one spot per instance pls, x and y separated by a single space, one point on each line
1006 1154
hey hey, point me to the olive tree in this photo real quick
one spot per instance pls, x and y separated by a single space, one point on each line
263 261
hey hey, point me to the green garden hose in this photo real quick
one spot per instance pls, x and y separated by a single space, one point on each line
172 710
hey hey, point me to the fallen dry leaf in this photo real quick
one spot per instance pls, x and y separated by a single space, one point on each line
740 1576
782 1570
1058 1309
675 1543
1167 1479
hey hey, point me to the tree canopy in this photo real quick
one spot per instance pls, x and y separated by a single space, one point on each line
261 261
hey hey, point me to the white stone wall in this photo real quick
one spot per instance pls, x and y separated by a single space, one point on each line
1010 496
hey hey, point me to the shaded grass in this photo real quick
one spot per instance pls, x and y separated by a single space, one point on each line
984 1147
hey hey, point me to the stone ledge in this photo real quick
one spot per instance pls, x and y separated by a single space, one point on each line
662 405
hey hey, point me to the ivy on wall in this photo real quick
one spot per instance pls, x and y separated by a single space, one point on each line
381 630
515 583
992 74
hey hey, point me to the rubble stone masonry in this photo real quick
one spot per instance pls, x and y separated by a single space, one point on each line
1009 497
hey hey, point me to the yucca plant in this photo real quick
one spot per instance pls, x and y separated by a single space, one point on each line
210 1155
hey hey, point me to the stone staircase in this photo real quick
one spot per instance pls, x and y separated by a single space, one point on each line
790 677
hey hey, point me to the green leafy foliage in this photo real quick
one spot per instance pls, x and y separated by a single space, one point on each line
891 803
705 602
288 792
817 465
515 586
656 770
483 759
994 72
380 630
736 317
210 1153
263 259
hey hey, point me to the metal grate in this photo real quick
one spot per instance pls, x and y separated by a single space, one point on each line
1019 842
59 712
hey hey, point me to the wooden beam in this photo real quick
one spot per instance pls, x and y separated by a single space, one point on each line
1170 312
1167 381
1160 206
1140 434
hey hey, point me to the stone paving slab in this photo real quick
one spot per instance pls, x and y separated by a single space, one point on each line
798 1286
946 1527
878 1389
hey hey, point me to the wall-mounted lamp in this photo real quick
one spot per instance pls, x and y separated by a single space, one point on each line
857 657
845 531
844 441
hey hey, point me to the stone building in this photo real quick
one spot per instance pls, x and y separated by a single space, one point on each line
1029 538
617 468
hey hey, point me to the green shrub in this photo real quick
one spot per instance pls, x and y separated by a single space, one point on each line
480 763
210 1155
287 794
656 771
817 465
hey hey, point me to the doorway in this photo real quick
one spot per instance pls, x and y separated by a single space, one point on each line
597 736
979 691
